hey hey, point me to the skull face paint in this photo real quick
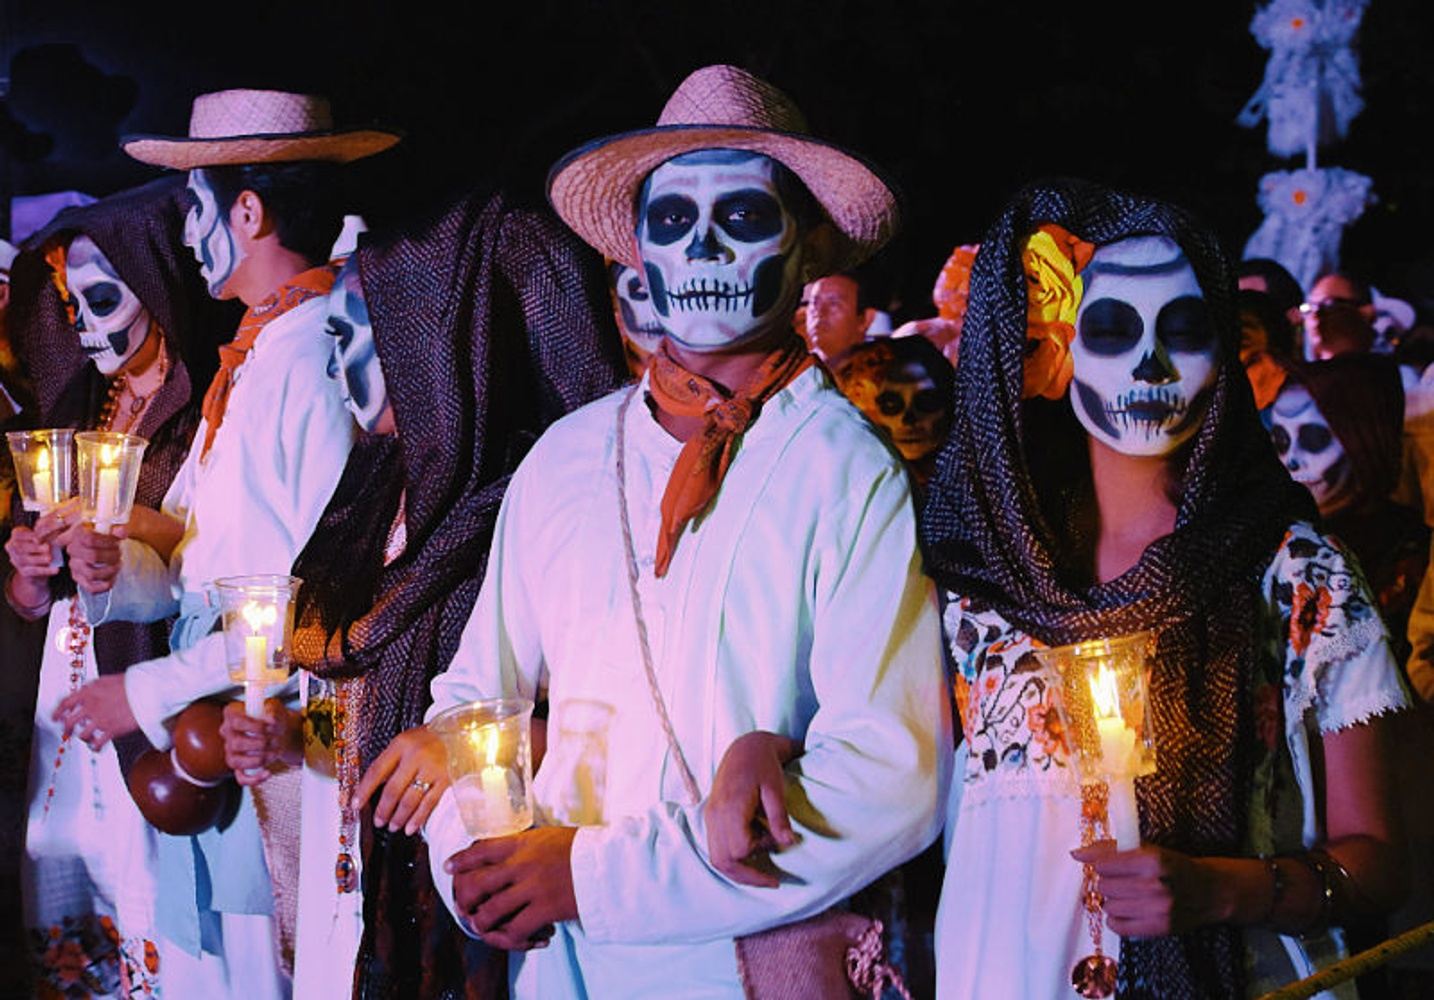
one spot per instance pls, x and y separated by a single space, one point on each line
912 410
719 248
111 321
1145 351
1310 450
636 320
207 233
355 363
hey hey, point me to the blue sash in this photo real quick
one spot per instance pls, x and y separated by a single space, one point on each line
220 870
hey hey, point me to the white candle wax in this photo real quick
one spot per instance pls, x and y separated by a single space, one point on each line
484 803
256 654
43 481
1117 752
1121 813
107 499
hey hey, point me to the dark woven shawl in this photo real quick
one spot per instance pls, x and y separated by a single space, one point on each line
990 531
140 231
491 321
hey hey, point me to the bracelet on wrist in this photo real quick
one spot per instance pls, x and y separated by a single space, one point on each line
1315 862
1277 888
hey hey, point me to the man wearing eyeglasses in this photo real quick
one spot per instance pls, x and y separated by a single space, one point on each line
1338 317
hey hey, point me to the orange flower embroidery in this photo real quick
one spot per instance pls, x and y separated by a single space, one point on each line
964 706
1046 727
1308 612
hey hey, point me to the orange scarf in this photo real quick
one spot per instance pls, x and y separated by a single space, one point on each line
704 458
295 292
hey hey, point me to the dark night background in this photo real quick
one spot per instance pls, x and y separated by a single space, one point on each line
962 102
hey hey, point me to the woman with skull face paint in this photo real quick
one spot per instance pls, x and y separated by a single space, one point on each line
118 291
1338 427
1146 499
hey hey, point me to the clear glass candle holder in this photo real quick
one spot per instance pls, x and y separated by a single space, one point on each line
1105 706
44 466
258 616
490 762
109 472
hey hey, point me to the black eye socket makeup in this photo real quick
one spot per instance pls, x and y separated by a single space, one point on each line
103 298
669 218
1281 439
1110 327
749 216
1314 438
1184 325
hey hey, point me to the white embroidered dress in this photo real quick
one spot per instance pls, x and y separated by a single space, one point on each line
1010 924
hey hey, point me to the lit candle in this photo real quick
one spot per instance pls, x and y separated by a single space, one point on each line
107 494
1117 751
43 480
483 799
256 656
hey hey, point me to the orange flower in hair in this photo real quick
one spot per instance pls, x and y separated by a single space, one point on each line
55 257
1053 259
953 284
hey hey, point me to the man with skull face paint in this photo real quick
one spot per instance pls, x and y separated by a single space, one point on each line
771 581
1152 501
266 458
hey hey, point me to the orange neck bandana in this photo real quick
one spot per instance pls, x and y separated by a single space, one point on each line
296 291
705 456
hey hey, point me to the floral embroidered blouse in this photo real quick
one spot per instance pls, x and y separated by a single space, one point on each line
1327 666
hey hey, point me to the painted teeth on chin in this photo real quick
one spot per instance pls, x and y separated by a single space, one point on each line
707 295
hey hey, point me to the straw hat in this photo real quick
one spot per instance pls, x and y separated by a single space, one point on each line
258 126
594 188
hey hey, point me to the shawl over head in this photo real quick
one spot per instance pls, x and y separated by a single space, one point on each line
140 231
491 321
991 533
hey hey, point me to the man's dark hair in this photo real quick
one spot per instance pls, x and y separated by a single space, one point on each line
1279 283
1279 332
1363 294
304 199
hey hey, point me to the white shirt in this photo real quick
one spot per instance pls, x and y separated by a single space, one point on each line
248 506
797 604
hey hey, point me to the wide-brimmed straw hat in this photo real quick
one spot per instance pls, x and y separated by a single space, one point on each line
594 188
258 126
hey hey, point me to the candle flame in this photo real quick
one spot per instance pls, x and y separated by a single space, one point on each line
485 740
42 459
1104 694
108 454
259 616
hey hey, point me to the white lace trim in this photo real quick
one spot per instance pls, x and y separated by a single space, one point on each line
995 787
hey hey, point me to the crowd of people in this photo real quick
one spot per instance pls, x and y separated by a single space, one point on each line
777 575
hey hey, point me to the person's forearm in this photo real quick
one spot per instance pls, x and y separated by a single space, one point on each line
1283 893
1300 892
156 529
28 598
